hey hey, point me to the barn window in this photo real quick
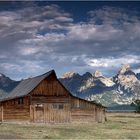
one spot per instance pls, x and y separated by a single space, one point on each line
20 101
39 105
58 106
55 106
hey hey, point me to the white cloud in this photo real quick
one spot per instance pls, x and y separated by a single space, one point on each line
113 16
93 32
28 50
113 62
28 67
136 70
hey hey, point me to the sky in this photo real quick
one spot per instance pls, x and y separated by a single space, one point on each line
36 37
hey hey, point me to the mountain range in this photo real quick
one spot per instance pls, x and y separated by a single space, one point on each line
121 89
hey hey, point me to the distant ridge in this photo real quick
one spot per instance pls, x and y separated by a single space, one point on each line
121 108
6 84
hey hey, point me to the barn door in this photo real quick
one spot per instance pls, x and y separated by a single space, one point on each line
39 113
58 113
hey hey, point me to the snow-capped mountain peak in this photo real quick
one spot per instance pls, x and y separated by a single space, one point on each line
124 68
107 81
97 74
68 75
126 77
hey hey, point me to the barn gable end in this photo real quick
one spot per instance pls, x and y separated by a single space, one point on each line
50 86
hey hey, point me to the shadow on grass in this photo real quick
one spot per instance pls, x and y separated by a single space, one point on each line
119 116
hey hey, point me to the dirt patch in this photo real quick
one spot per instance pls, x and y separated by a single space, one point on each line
4 136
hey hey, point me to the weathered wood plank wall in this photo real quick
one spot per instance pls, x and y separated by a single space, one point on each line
82 110
49 113
50 87
14 111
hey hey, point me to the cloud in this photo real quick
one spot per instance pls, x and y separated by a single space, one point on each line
136 70
23 68
28 50
113 62
114 16
36 38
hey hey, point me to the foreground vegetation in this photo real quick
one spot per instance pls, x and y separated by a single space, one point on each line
118 126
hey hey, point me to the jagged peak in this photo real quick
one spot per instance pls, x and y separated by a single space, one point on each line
87 74
68 75
98 74
124 68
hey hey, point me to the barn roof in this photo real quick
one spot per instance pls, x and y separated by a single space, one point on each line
26 86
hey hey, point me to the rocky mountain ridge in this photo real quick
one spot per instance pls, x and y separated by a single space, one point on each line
86 84
6 84
123 88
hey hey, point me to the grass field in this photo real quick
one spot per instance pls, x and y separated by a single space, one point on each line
118 126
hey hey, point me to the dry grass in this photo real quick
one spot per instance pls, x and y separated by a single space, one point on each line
118 126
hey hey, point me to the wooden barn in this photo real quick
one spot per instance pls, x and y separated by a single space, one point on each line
44 99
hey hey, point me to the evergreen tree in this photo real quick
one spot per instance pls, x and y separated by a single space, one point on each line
136 104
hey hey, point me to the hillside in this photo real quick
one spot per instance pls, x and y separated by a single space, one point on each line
6 84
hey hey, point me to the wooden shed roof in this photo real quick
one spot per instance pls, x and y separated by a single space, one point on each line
27 85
